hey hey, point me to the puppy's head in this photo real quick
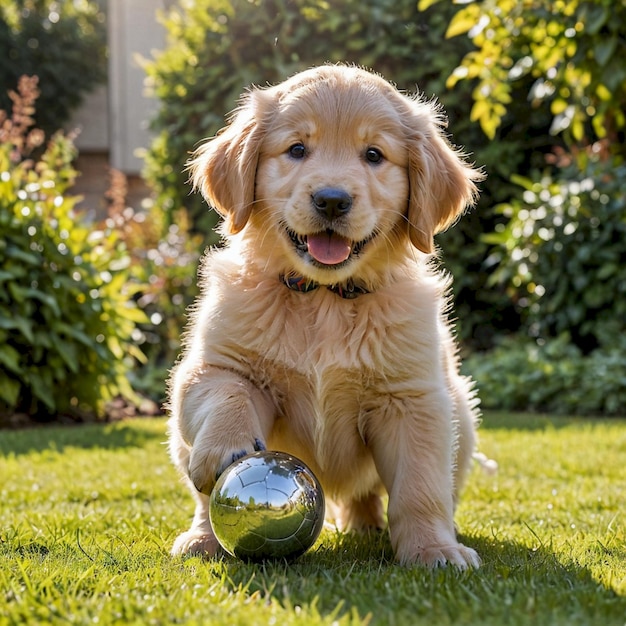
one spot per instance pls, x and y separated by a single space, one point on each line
332 171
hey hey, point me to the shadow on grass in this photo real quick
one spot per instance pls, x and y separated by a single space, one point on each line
495 420
111 436
358 576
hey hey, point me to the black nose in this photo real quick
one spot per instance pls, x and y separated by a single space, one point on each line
332 202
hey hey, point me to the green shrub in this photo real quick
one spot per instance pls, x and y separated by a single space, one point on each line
552 376
561 252
164 261
549 78
63 42
572 53
67 314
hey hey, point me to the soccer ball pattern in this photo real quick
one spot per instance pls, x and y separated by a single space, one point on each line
267 505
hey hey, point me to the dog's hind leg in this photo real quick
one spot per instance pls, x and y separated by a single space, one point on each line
360 514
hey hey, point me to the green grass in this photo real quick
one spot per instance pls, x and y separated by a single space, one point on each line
87 516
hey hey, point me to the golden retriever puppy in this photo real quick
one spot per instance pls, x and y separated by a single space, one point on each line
321 327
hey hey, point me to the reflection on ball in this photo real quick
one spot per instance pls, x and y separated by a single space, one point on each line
267 505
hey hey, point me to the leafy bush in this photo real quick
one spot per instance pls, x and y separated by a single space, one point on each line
561 252
572 51
554 72
61 41
552 376
67 314
164 260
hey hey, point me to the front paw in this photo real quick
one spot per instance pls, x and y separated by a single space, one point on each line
439 556
196 541
206 466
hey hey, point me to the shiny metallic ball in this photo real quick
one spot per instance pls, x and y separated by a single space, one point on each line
267 505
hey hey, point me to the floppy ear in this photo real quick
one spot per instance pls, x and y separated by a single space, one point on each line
441 184
224 168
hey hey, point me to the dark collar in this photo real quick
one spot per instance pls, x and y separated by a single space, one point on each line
298 283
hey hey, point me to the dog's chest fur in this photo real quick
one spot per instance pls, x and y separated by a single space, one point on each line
250 320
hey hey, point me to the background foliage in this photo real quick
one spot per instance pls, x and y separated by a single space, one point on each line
563 63
67 313
562 253
535 90
560 250
572 50
63 42
163 257
552 376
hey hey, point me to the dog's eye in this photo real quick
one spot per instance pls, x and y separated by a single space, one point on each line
297 151
373 155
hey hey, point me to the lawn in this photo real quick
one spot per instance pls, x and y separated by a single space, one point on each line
87 515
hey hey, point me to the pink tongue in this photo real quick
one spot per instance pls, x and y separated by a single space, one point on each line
328 249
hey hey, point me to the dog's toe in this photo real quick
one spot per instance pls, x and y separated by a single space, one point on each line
235 456
458 555
207 465
258 446
196 542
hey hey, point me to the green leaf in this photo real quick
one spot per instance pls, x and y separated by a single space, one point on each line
480 109
136 353
558 106
69 354
422 5
134 314
463 21
488 123
10 358
9 390
596 17
18 323
22 255
114 345
603 93
522 181
578 130
604 49
42 388
76 333
24 293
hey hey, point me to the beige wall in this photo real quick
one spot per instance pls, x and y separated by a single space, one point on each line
115 117
92 122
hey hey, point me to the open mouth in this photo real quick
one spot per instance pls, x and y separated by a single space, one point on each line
326 248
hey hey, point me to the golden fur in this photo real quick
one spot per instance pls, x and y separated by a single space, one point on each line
365 390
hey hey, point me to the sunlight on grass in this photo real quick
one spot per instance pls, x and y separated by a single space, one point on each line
87 516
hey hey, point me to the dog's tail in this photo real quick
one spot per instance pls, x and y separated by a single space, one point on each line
489 466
